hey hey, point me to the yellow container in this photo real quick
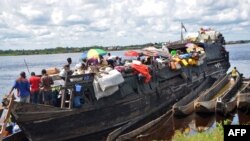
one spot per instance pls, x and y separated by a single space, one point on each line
184 62
190 61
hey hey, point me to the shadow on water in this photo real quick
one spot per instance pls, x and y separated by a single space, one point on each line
190 125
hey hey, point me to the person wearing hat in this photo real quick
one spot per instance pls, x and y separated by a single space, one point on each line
22 86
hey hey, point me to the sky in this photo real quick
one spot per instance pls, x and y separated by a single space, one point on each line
38 24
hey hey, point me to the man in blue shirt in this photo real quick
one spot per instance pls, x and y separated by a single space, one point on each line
23 88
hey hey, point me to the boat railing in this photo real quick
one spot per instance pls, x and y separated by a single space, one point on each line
85 80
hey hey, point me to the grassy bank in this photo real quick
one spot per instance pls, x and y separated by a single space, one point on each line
217 134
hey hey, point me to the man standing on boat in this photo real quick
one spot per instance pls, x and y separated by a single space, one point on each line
234 73
69 60
23 88
46 82
34 88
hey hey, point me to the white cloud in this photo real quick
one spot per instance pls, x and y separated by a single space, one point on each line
74 18
121 33
30 12
57 16
51 23
151 8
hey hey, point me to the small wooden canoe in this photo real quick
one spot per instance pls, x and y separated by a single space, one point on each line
226 103
207 101
243 97
185 106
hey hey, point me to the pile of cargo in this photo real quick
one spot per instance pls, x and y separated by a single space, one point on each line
194 56
204 36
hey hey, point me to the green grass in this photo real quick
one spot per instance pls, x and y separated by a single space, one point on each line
217 134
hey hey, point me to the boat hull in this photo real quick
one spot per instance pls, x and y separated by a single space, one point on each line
77 123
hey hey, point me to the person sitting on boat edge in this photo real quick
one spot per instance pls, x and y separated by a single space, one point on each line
64 72
234 73
34 88
23 88
46 82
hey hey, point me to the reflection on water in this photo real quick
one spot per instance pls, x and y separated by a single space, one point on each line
191 124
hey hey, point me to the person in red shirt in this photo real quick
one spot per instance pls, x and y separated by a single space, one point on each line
34 88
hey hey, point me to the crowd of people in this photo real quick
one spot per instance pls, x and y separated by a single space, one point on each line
35 89
38 90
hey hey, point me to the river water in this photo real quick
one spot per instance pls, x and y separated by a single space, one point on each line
11 66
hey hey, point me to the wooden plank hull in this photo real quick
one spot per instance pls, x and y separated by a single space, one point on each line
75 123
183 110
185 106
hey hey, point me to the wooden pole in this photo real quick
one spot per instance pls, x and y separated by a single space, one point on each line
27 66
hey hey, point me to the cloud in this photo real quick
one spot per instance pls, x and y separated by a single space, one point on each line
51 23
57 16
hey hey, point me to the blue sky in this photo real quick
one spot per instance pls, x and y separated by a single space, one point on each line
26 24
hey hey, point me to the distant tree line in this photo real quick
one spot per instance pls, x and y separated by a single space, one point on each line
238 42
58 50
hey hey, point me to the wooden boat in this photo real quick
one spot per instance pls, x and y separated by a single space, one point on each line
243 97
206 102
226 103
186 105
163 127
133 99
